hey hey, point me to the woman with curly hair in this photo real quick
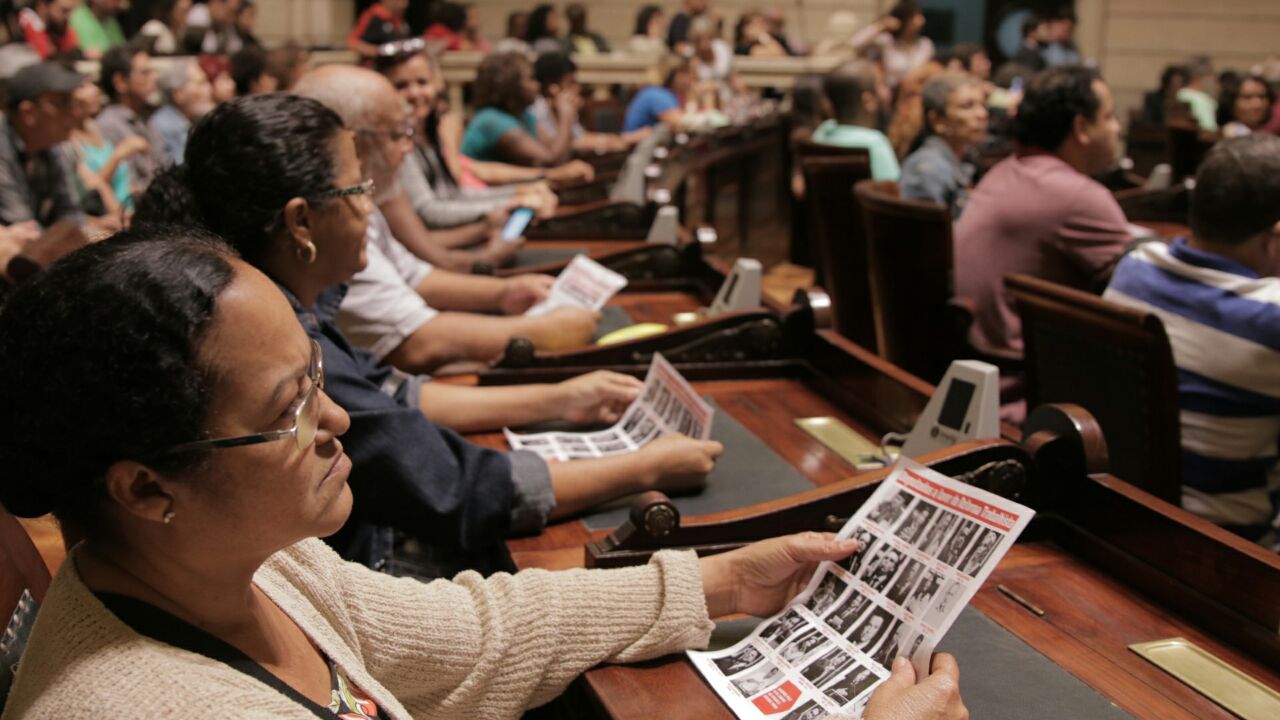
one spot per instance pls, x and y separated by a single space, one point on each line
504 129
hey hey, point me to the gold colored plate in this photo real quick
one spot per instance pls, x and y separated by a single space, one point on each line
842 440
1212 677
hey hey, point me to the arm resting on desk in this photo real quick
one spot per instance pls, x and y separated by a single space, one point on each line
490 648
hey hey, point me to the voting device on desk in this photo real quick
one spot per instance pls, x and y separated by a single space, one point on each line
966 406
741 290
631 182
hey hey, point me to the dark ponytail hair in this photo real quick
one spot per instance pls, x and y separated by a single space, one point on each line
244 161
99 362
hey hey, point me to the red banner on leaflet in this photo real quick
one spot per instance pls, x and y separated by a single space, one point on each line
778 700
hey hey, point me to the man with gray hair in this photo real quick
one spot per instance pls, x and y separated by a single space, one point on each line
955 121
188 95
402 308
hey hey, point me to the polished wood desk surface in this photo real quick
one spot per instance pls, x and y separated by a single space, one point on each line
1090 619
1091 615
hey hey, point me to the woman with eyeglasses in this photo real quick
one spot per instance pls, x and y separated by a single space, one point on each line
163 402
277 176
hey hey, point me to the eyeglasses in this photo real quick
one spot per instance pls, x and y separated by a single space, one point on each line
361 188
404 132
306 419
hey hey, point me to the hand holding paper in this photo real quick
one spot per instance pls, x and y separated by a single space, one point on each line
584 283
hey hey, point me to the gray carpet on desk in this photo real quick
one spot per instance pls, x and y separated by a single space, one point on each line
611 318
1001 677
526 257
748 472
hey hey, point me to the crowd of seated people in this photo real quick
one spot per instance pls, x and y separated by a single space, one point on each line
305 240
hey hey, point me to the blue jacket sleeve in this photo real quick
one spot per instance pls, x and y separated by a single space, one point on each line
408 472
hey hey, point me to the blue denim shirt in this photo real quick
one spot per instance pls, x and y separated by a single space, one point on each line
459 500
934 173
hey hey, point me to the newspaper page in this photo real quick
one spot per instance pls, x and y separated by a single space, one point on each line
927 543
667 404
584 283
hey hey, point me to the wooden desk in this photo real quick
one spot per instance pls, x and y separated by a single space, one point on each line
1109 564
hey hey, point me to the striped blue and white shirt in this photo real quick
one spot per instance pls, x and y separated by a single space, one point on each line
1223 322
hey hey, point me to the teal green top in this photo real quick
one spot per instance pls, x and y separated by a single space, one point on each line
884 163
121 185
95 35
480 141
1203 108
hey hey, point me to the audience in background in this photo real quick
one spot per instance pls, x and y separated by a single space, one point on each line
1040 212
163 33
97 26
662 103
46 27
1156 102
288 64
581 39
543 33
105 185
649 37
1219 300
898 40
425 177
246 24
557 77
454 29
37 184
517 30
1061 47
250 72
188 96
380 23
752 36
714 61
856 112
1035 36
129 82
504 127
955 121
1199 92
906 121
678 30
211 28
970 58
1244 106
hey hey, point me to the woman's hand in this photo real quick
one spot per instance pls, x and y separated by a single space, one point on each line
937 697
677 463
574 171
522 292
597 397
761 578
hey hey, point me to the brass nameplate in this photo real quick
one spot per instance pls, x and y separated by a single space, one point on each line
1212 677
841 439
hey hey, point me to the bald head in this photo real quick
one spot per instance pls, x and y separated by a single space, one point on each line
368 104
357 94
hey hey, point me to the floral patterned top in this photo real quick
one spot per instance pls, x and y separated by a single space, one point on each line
347 701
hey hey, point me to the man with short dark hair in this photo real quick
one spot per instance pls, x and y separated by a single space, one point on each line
37 181
1219 299
1061 48
555 108
1039 212
46 28
129 82
853 94
1035 34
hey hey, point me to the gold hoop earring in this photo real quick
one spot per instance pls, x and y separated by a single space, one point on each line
307 257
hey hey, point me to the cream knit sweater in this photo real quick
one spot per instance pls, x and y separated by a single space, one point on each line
471 648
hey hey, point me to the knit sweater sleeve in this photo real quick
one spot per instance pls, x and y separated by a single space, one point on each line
494 647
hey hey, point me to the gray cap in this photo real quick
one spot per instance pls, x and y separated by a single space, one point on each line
46 77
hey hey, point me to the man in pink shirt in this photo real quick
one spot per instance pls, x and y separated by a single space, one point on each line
1039 212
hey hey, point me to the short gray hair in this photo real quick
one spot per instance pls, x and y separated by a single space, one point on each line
174 76
939 88
344 90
